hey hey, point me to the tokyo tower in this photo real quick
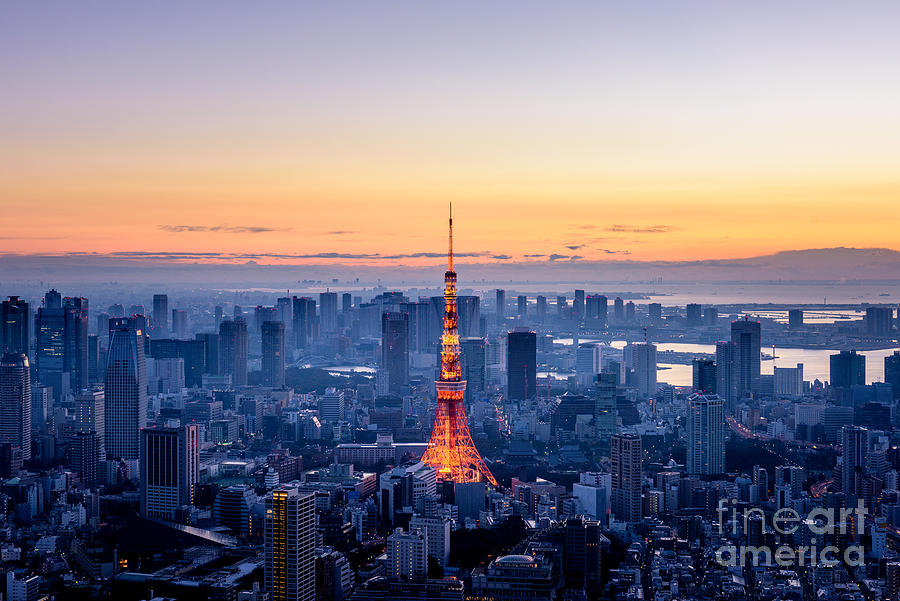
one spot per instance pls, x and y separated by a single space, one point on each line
451 450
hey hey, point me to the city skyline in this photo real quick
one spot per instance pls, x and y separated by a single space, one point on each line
713 134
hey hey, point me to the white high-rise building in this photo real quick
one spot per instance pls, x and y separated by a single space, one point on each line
407 554
588 361
705 434
641 357
437 533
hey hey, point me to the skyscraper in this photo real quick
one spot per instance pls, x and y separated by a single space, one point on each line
179 323
90 417
290 538
848 368
15 402
595 311
704 376
726 373
795 319
588 363
521 364
408 554
346 302
235 347
705 435
170 469
160 316
328 311
745 334
469 310
855 455
693 315
61 343
473 366
625 465
273 354
395 351
15 326
501 305
643 362
303 313
578 306
540 308
522 306
125 389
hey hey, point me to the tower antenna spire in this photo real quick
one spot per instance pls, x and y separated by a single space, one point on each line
450 253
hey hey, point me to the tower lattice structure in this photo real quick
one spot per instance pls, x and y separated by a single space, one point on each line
451 450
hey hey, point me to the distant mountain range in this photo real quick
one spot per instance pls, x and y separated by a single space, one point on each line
832 264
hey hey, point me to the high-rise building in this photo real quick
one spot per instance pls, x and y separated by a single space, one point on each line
625 455
331 406
290 538
693 315
473 366
212 362
619 310
704 376
179 323
788 381
745 334
437 536
285 310
193 353
86 456
407 554
605 410
654 312
61 355
346 302
726 373
469 311
15 327
15 402
892 372
522 305
232 508
561 306
795 319
642 359
125 389
578 306
395 352
521 364
540 308
90 417
160 316
879 321
500 305
848 368
328 311
273 354
234 343
588 363
705 435
170 469
595 311
855 455
304 315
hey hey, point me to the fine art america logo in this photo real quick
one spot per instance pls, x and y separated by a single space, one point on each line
817 531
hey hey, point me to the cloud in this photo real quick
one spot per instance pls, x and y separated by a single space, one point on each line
556 257
340 233
225 229
501 257
574 246
634 229
186 256
534 256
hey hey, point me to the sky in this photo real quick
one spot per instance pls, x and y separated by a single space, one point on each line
314 132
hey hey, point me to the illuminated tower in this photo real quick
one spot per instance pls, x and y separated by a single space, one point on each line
451 450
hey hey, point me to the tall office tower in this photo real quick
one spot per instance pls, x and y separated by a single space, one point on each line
170 469
745 334
437 535
273 354
116 310
522 305
788 381
15 326
704 380
90 417
605 412
284 308
218 315
588 363
710 316
328 311
892 372
848 368
211 360
160 316
643 362
705 435
290 539
473 362
625 465
726 374
451 452
234 343
629 312
693 313
595 310
86 456
304 315
855 455
761 479
407 554
261 315
420 332
619 310
561 305
500 303
879 321
53 299
192 352
125 410
179 323
540 308
578 306
395 352
238 312
346 302
654 311
232 508
15 402
795 319
521 364
469 310
94 366
76 309
331 406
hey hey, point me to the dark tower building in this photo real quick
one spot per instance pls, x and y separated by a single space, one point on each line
848 368
304 315
273 354
328 311
235 346
693 314
395 351
125 390
578 306
619 310
15 326
745 334
473 366
654 311
726 373
521 364
160 316
892 372
595 310
704 380
170 469
795 319
469 308
501 305
61 343
346 302
15 402
625 464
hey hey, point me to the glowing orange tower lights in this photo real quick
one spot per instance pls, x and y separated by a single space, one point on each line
451 450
